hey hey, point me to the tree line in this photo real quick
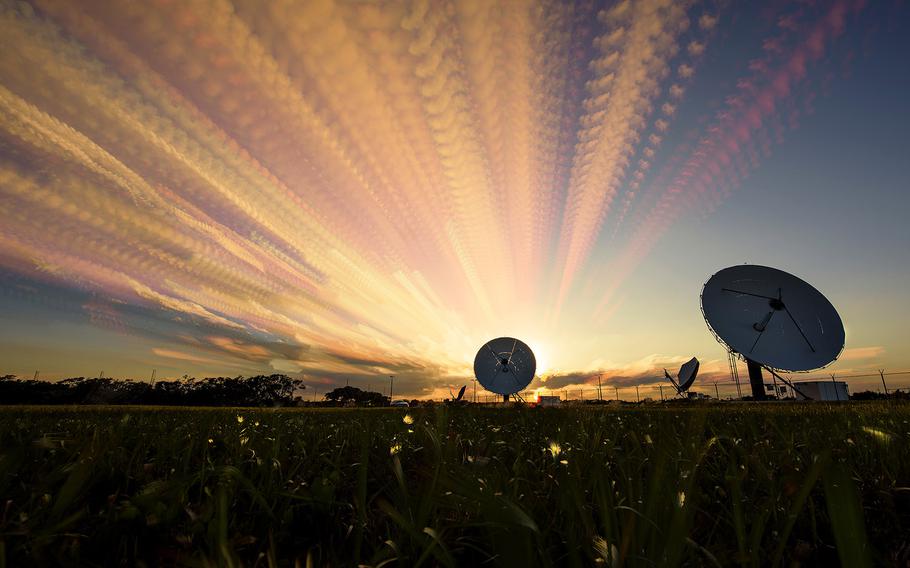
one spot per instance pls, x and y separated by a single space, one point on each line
261 390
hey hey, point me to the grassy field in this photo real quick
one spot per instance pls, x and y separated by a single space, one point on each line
712 485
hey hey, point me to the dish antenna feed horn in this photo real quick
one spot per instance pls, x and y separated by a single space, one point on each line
773 320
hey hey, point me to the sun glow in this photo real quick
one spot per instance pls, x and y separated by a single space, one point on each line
541 355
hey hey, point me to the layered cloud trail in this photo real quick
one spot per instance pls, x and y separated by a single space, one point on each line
633 57
734 143
357 188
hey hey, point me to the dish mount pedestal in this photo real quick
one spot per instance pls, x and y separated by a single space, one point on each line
756 380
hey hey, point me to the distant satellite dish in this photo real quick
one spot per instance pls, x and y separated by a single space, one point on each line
686 376
771 319
505 366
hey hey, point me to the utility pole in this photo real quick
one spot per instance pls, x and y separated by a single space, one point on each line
836 394
315 390
617 393
600 392
716 392
36 375
152 378
661 387
637 395
391 380
474 396
102 375
566 392
881 373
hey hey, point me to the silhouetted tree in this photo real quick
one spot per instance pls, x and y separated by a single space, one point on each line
343 395
261 390
872 395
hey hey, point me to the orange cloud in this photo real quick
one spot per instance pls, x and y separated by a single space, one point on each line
239 348
853 353
180 355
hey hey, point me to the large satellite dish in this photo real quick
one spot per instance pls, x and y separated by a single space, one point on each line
771 319
505 366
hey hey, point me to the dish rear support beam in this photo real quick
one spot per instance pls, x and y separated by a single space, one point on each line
756 380
789 383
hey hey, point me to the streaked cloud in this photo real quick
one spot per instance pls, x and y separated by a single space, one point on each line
180 355
347 189
855 353
732 145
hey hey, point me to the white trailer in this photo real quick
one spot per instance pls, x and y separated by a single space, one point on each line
821 390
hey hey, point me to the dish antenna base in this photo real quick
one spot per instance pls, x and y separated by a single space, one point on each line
756 380
515 395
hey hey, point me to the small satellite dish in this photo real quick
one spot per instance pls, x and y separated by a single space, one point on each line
505 366
686 376
772 319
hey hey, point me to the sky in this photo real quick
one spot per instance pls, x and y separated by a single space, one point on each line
347 191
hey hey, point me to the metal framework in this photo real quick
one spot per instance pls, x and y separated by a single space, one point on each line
734 372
